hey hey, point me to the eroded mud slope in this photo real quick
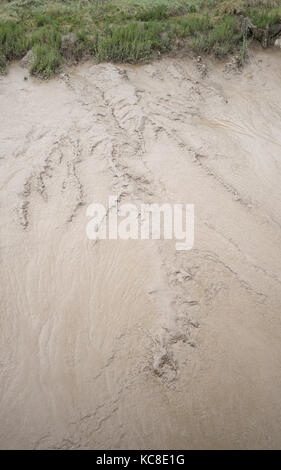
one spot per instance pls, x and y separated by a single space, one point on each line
131 344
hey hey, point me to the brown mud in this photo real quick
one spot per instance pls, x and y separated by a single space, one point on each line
131 344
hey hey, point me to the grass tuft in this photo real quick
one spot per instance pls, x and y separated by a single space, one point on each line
47 61
132 43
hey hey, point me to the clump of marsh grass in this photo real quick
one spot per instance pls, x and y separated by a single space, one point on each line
132 43
47 60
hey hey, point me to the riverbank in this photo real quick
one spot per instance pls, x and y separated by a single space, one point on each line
63 32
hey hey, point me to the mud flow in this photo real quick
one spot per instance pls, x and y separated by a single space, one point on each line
132 344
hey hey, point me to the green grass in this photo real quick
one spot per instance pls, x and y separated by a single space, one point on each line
125 30
14 39
131 43
225 37
156 13
265 17
47 60
191 25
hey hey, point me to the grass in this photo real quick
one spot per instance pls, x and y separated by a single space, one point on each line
14 40
125 30
265 17
47 60
224 38
131 43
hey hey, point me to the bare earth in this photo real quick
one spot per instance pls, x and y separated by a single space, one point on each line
119 344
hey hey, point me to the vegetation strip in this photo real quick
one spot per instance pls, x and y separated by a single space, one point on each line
129 30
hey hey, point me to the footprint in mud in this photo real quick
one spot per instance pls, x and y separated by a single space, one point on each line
22 211
164 365
179 276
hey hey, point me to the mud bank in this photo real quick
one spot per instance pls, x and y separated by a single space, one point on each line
131 344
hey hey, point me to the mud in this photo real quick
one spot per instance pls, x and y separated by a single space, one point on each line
130 344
